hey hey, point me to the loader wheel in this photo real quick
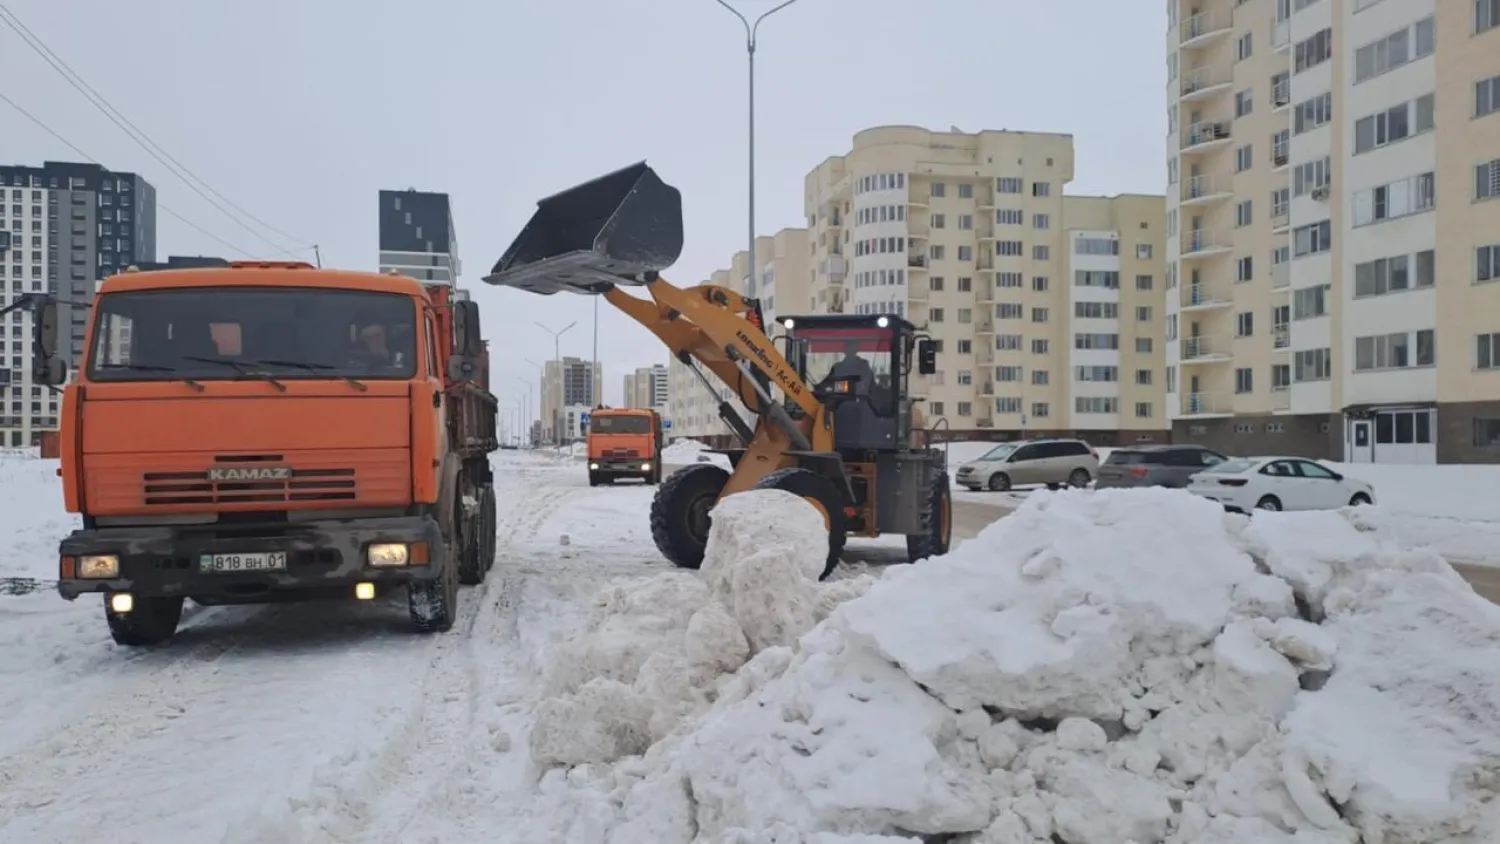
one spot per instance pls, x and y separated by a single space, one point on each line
433 604
151 622
679 512
937 522
821 493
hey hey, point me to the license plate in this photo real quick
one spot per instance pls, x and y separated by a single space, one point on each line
270 561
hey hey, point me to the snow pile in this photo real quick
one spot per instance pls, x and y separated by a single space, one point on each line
653 650
1105 667
684 452
31 498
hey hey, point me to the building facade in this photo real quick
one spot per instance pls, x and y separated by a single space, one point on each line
69 225
1046 307
566 383
646 388
417 237
1333 226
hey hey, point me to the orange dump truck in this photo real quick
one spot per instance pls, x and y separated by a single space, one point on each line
624 443
271 431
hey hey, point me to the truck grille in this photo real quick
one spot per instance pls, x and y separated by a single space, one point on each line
620 454
248 480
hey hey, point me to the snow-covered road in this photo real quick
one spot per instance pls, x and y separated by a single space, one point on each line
295 722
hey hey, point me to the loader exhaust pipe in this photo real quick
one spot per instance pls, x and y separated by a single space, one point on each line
621 228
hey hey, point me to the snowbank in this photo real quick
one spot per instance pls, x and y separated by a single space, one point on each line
1097 668
684 452
31 498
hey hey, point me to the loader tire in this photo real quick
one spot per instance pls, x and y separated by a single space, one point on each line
824 496
433 604
679 513
937 522
151 622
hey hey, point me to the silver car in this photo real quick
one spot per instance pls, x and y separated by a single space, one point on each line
1052 462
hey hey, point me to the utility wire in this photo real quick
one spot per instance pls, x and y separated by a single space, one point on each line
177 169
74 147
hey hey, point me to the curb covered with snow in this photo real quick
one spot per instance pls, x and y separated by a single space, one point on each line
1098 667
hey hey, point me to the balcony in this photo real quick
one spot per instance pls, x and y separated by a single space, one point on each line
1203 243
1206 136
1203 29
1281 218
1203 83
1202 190
918 200
1281 336
986 389
916 262
1281 399
1281 93
1202 350
1200 297
1280 156
1281 35
1281 275
984 326
1207 404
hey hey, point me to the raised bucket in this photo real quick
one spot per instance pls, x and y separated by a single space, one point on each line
620 228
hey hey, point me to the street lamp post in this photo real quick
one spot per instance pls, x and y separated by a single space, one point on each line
557 357
751 28
526 405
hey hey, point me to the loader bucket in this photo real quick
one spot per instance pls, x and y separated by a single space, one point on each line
620 228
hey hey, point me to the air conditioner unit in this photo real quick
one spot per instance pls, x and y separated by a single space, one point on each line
1320 193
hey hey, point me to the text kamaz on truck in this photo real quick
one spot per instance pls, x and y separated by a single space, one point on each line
264 432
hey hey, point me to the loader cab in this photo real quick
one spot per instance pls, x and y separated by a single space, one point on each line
859 366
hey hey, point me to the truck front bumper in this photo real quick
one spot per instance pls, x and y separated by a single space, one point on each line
321 556
621 468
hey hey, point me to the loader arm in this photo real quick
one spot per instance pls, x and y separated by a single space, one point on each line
711 325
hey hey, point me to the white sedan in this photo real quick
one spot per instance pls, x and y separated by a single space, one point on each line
1279 483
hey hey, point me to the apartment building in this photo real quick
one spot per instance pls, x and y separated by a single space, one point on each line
69 225
783 288
567 391
417 238
1048 309
1334 239
646 387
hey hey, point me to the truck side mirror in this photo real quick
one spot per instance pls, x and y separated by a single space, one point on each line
45 324
462 369
50 372
926 357
467 341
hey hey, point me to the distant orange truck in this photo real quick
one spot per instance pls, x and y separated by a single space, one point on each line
624 442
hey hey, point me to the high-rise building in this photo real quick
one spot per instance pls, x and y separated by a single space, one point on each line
646 387
566 384
1333 227
417 237
181 262
70 225
1047 308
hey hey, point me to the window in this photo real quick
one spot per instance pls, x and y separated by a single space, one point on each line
1243 215
937 252
1244 324
1487 96
1009 216
1311 176
1041 409
1487 180
965 316
965 284
1244 380
1401 198
965 378
1143 410
1310 302
1039 377
1041 253
1244 158
1039 283
1107 279
1244 269
1394 351
937 408
1096 404
1311 365
1103 342
1312 239
1040 347
965 223
1009 247
939 221
1007 373
1041 221
1009 310
1243 48
1311 52
1008 404
1143 345
1244 103
1008 342
965 409
1007 184
1096 310
1143 252
1486 15
1144 282
1039 315
1487 351
965 191
934 314
1396 123
1099 374
1392 51
1393 274
1487 263
1041 188
935 284
939 189
1096 246
1143 377
1313 113
1143 313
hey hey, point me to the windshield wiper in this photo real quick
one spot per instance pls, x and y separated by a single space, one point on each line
242 368
315 367
149 367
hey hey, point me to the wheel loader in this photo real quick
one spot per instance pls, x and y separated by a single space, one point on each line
833 416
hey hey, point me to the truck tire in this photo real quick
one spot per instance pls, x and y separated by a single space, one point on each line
151 622
489 523
655 477
679 513
433 604
937 522
470 541
820 492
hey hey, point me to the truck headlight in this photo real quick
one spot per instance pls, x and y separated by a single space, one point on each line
99 566
645 467
386 554
593 465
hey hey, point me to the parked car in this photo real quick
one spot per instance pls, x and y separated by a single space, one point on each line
1053 462
1155 465
1279 483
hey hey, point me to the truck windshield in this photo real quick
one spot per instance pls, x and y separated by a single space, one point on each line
236 332
619 425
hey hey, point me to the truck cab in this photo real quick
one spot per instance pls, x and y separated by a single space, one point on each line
624 443
271 431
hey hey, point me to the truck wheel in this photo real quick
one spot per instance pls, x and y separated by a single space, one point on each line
679 513
654 477
151 622
489 522
821 493
433 604
937 522
593 479
470 542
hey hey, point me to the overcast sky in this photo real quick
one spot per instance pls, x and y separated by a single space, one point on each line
299 111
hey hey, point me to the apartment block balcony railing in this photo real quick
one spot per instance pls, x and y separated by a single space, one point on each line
1206 132
1201 295
1203 82
1281 398
1203 188
1204 27
1201 404
1281 275
1281 336
1201 348
1201 241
